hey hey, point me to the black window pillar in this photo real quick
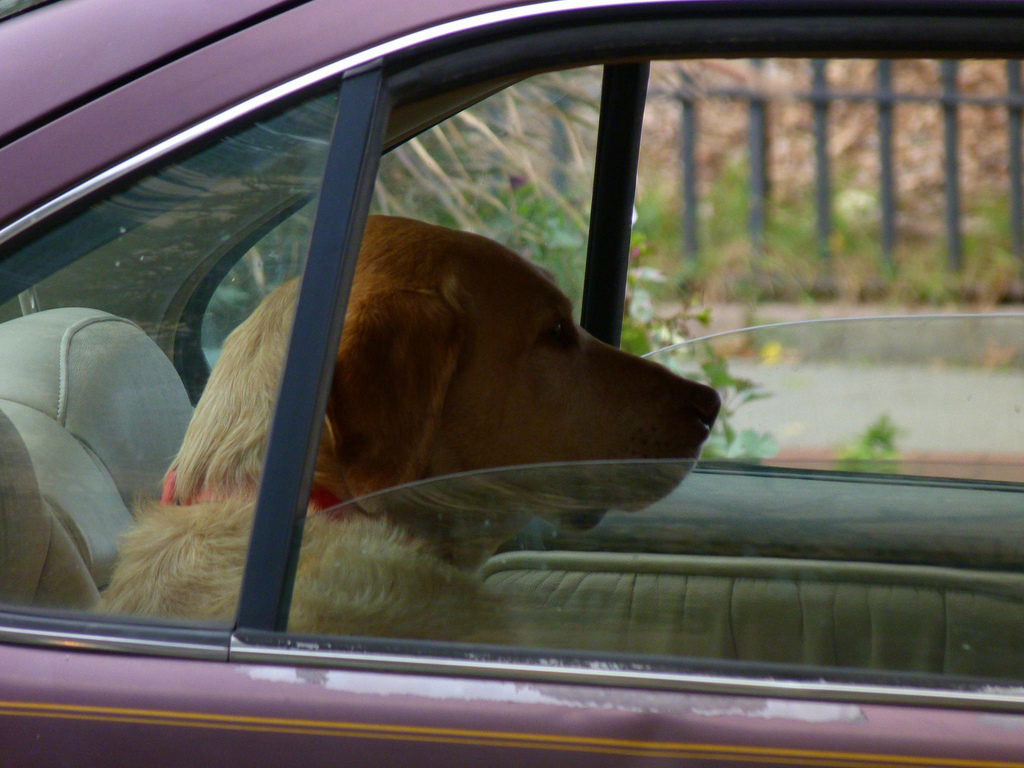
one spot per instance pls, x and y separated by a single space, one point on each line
623 95
298 416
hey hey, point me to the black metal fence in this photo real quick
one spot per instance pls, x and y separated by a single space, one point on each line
820 97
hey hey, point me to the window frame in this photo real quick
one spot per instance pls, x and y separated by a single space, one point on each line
309 363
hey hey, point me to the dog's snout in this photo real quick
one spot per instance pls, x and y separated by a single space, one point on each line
706 402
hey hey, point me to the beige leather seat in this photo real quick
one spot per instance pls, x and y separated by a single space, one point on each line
99 412
39 565
850 614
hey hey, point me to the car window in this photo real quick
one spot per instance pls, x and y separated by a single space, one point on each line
774 194
274 259
860 436
708 258
110 318
168 240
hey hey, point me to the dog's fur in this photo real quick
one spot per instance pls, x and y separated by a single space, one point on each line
456 354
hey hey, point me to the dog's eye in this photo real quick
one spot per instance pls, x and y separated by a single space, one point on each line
560 334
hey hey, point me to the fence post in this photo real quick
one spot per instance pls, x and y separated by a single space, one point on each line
819 99
560 154
886 180
758 143
688 159
1014 113
949 115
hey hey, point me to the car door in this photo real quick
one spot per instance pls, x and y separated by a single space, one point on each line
88 688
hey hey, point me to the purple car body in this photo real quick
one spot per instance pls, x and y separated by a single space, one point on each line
93 91
89 708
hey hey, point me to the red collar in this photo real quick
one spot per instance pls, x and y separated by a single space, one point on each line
319 498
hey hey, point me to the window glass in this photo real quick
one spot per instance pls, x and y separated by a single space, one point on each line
517 168
784 192
927 394
856 501
733 562
109 320
166 241
272 260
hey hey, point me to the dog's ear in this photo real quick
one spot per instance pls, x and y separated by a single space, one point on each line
223 449
397 356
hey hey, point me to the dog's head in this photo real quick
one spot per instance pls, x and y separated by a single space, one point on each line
456 354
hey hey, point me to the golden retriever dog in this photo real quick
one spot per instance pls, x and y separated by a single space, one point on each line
456 354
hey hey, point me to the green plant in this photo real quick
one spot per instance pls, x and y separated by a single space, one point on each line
874 450
726 441
643 331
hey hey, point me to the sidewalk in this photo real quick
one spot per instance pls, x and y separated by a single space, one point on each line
814 405
953 388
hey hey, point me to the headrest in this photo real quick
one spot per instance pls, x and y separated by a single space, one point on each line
106 382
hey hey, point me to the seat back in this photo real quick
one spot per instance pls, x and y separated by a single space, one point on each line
100 411
861 615
39 565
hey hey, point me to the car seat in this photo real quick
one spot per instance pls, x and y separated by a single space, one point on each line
93 413
39 565
811 612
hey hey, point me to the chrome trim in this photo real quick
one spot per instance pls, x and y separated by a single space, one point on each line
986 698
368 56
87 641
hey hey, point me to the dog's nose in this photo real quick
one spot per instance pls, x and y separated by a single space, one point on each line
705 402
